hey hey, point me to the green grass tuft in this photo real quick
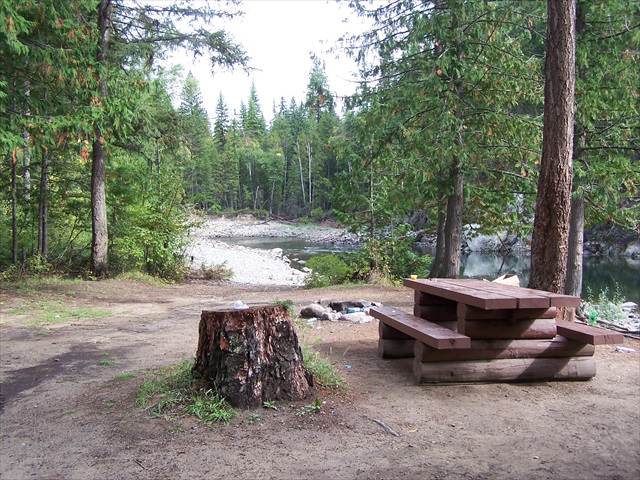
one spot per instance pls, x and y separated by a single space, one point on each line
175 391
324 373
125 376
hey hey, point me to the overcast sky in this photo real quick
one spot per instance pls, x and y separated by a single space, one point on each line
279 35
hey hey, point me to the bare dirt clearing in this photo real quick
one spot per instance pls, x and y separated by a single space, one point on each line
68 414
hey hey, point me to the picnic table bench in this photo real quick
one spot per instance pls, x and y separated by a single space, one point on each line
465 330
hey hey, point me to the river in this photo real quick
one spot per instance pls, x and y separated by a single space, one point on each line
599 273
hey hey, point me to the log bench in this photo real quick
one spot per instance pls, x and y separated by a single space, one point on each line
416 328
588 334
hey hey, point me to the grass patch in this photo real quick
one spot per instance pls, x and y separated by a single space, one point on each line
107 362
142 277
63 313
50 312
125 376
175 391
324 373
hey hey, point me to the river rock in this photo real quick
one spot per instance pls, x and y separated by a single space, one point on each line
331 316
357 317
313 310
362 303
342 306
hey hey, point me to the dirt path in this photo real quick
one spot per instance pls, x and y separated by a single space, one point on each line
66 416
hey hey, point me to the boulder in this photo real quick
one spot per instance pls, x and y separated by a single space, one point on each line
342 306
331 316
313 310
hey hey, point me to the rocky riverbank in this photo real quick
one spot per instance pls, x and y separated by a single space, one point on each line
251 266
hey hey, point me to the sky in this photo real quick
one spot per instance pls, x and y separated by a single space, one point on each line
279 36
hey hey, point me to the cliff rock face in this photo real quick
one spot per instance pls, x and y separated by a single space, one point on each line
611 241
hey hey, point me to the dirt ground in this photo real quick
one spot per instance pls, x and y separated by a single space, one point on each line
63 415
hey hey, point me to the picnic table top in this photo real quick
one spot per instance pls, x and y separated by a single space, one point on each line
490 295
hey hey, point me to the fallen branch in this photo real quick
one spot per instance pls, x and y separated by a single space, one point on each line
387 429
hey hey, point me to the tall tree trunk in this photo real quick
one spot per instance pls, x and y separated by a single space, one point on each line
309 157
43 207
453 227
26 175
100 236
438 261
453 224
576 226
304 195
576 235
14 208
549 246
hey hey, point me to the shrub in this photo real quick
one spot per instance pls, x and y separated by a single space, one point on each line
317 215
604 308
216 273
328 269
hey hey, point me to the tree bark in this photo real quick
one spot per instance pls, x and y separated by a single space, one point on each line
576 226
43 207
453 227
576 235
100 236
252 356
14 209
549 246
438 261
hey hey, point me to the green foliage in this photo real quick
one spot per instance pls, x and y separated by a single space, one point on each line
125 376
176 391
606 307
317 215
326 270
392 257
288 304
215 273
324 373
384 259
270 404
312 408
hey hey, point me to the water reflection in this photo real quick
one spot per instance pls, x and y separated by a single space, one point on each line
599 273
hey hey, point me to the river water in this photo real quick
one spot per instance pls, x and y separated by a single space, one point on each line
599 273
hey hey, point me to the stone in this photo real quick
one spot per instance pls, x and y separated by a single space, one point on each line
357 317
342 306
313 310
331 316
362 303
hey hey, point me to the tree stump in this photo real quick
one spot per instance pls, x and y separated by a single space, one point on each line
251 356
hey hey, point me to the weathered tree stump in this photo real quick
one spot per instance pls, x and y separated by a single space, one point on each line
252 356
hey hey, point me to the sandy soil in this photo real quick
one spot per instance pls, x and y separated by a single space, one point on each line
65 416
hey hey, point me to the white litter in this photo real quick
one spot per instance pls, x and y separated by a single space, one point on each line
239 305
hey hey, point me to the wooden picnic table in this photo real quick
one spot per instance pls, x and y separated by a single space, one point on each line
474 330
490 295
